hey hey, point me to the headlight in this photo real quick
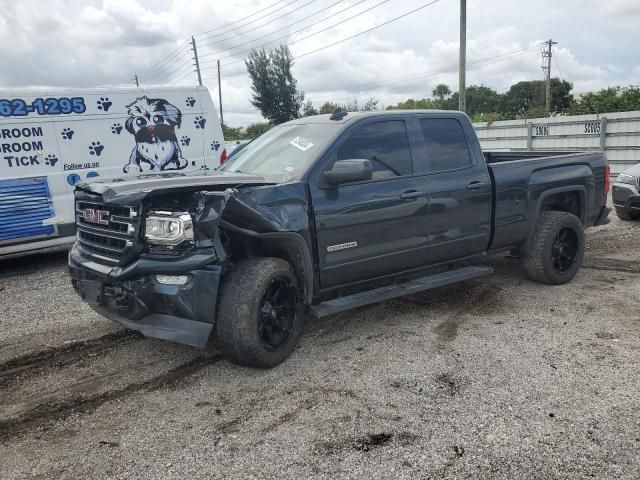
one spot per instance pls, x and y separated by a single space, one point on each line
168 228
624 178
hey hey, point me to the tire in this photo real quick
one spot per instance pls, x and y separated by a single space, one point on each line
554 253
625 215
252 330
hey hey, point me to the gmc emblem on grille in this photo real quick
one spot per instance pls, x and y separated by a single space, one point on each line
96 216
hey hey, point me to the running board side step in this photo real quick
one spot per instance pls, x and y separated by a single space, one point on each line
381 294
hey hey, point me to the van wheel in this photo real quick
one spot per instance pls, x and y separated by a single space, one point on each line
260 313
555 251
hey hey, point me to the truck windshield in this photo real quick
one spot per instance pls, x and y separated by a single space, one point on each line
283 153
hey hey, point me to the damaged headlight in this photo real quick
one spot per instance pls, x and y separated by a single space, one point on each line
168 228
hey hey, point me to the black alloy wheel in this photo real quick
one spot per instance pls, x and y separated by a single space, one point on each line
564 250
277 314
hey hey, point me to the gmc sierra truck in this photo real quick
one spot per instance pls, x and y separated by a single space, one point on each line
324 214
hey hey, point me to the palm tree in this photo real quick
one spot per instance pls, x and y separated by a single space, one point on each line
441 91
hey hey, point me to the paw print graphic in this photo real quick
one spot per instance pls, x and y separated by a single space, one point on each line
116 128
51 160
185 141
215 145
104 104
96 149
67 133
200 121
191 101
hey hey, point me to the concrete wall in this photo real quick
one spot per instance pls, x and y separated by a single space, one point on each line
617 133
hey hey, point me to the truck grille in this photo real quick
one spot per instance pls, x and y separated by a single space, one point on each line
106 232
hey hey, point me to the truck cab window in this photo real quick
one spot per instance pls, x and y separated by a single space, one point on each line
446 144
386 144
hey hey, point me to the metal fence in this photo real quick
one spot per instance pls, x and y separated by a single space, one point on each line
618 134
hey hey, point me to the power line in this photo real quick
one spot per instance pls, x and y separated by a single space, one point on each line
244 18
348 38
254 21
169 74
368 30
308 36
441 72
287 26
156 68
161 63
183 76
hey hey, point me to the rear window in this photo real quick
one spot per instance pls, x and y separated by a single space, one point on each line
446 142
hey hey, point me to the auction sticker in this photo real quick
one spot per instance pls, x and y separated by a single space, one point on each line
301 143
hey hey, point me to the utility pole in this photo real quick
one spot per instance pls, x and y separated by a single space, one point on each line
220 94
462 68
136 78
546 67
195 57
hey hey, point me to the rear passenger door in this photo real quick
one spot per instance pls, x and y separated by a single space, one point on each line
377 227
459 188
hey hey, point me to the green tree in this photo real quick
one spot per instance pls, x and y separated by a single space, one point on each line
231 133
528 98
612 99
274 89
481 99
441 92
412 104
308 109
256 129
368 106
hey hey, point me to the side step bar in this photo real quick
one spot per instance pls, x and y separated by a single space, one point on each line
331 307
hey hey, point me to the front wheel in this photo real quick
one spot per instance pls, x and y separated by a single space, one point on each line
260 313
555 251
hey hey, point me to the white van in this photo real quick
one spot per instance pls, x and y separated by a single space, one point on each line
49 141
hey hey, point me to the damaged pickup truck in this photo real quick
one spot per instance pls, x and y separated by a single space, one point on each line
321 215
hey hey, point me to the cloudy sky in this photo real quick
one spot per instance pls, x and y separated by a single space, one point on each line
90 43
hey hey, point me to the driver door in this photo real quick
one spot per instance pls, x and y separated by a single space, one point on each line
377 227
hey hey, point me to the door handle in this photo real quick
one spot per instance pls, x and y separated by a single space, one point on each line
412 194
476 185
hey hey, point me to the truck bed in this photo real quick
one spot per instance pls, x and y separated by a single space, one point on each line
522 180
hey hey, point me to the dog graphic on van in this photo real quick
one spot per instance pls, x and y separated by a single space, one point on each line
153 122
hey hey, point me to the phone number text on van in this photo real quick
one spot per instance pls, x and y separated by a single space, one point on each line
17 107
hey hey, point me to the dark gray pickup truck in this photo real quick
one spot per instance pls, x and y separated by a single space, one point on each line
320 215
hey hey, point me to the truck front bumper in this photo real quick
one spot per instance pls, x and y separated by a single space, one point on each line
179 313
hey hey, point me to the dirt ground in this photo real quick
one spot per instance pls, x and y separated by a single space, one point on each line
492 378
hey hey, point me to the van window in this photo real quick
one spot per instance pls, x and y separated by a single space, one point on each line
446 144
386 144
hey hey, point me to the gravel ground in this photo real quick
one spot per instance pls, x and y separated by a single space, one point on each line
491 378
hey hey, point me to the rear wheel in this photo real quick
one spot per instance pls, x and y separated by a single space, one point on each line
260 313
555 251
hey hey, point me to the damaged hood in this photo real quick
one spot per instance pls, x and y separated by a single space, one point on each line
135 188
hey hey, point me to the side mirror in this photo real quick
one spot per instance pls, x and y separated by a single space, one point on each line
348 171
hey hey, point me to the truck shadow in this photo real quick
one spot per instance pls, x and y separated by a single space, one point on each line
23 264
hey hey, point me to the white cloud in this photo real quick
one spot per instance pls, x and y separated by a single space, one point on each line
620 8
92 42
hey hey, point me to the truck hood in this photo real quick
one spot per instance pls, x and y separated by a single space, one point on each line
135 188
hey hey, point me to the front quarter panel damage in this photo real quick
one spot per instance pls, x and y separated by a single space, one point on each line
261 221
